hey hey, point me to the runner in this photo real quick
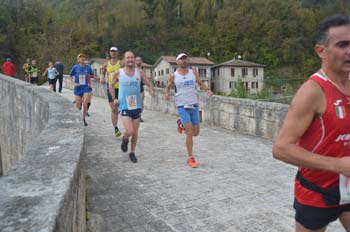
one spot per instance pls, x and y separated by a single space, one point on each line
33 71
138 64
25 68
186 100
315 135
51 75
109 68
79 76
8 68
129 100
59 67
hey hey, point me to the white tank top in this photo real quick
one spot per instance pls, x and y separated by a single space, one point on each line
185 89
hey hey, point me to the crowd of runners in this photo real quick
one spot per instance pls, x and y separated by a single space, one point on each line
315 135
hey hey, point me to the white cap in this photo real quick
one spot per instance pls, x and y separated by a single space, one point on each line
114 49
182 54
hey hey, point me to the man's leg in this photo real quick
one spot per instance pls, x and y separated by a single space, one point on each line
78 101
345 220
60 83
300 228
86 101
129 131
136 125
54 84
189 138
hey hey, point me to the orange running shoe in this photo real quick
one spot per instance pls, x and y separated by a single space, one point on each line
192 162
179 126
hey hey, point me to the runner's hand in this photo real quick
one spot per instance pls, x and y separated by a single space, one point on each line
210 93
167 96
344 166
116 102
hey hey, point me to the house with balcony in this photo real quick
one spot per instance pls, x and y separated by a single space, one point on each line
166 65
226 75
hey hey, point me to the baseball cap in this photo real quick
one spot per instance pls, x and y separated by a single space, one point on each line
81 55
115 49
182 54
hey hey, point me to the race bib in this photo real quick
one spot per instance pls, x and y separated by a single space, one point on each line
131 102
344 189
35 74
82 80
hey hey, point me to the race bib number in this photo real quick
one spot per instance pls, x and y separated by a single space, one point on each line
82 80
344 189
188 106
131 102
35 74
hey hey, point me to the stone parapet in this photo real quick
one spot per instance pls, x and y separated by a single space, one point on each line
42 147
257 118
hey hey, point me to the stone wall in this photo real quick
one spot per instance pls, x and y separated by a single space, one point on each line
258 118
42 145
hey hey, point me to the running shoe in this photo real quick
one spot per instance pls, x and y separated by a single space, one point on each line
192 162
85 123
133 157
117 132
180 127
124 145
141 120
87 114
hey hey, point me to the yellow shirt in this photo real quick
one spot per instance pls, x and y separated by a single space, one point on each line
111 69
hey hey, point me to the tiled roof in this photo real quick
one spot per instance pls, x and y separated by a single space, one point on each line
98 60
193 60
239 63
146 65
102 61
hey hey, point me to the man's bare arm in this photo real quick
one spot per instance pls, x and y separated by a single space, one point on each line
168 86
307 103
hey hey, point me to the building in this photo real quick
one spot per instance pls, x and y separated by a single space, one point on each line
166 65
97 66
226 75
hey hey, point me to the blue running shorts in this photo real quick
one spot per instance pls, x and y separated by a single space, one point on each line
189 115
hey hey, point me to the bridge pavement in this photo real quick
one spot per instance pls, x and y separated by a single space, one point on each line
237 187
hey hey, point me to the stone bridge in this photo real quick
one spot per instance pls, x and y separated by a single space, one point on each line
237 187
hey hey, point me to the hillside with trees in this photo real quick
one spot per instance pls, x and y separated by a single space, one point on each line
276 33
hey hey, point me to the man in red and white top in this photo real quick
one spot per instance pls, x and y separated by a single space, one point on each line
316 133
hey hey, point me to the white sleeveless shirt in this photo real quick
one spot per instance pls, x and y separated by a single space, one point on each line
185 89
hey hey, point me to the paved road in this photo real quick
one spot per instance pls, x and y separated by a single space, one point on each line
237 187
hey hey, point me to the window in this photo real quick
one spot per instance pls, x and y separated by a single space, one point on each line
232 72
255 72
255 85
232 84
244 72
101 69
158 73
167 71
162 72
202 72
245 84
95 71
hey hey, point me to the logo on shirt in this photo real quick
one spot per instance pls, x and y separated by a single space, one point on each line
343 137
339 110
